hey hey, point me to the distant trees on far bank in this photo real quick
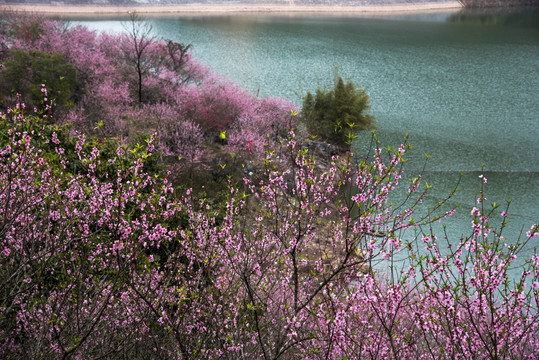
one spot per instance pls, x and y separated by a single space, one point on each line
497 3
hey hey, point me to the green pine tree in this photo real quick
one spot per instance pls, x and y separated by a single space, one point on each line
337 115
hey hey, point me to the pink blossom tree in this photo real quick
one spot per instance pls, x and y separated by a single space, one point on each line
98 262
64 267
113 71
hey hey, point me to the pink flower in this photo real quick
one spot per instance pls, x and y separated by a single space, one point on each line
533 232
6 252
118 245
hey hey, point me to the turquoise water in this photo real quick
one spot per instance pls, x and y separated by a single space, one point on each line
463 85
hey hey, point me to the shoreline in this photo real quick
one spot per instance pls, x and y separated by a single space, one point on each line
218 9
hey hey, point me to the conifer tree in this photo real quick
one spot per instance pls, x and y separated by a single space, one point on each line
338 114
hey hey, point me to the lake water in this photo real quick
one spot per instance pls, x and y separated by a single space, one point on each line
463 85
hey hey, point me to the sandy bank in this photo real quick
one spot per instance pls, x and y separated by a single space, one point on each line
232 8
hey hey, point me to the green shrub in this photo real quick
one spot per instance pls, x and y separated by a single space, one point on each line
338 114
26 73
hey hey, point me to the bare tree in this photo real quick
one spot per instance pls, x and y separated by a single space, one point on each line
140 33
178 55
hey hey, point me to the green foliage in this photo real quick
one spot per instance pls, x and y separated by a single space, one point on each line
338 114
66 145
26 72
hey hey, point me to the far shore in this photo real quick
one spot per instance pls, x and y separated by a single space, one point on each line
217 9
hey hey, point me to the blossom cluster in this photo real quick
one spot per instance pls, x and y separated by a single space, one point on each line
101 258
131 83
